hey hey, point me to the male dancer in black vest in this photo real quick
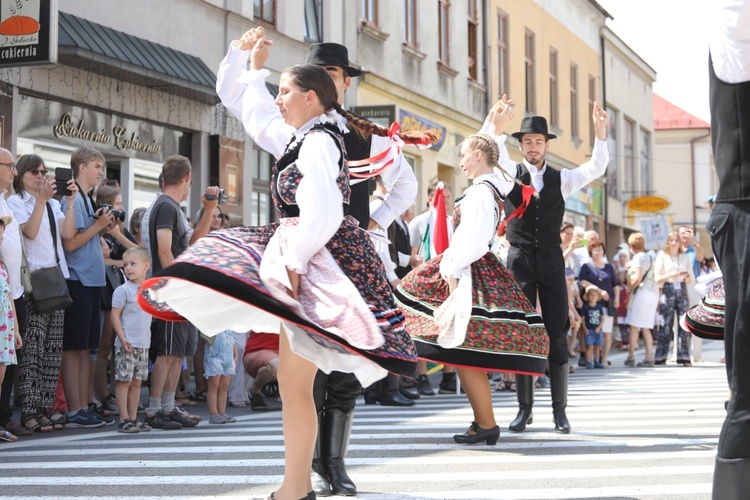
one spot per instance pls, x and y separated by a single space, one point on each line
535 259
729 226
245 95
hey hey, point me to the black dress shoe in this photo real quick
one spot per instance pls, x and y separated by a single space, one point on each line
409 393
479 434
394 398
424 387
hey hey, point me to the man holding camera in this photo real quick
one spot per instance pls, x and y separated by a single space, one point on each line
168 238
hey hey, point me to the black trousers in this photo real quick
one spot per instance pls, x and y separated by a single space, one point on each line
729 227
544 274
336 391
10 370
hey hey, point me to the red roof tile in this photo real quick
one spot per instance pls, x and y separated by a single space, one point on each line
668 116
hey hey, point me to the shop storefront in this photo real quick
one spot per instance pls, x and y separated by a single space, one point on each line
134 149
584 208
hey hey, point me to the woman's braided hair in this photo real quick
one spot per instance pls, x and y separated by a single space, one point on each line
313 77
491 152
485 144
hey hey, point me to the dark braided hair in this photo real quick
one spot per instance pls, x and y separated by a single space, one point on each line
313 77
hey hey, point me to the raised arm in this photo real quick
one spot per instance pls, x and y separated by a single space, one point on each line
497 119
573 180
245 95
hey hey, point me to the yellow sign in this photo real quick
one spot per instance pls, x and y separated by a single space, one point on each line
648 203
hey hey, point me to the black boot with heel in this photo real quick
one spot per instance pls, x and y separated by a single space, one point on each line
525 396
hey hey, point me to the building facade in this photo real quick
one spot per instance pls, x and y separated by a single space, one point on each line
684 170
546 56
630 136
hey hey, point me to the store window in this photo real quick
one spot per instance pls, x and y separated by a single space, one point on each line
262 207
614 157
628 146
644 150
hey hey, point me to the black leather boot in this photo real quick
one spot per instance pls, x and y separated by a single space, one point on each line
321 485
558 377
389 393
338 427
731 479
372 394
525 395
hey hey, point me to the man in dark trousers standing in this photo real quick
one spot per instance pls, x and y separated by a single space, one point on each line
533 230
729 226
245 95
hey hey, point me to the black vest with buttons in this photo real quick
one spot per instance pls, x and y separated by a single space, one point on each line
540 225
358 148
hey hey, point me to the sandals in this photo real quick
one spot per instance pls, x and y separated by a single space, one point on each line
34 423
128 427
48 422
142 426
56 417
7 436
199 396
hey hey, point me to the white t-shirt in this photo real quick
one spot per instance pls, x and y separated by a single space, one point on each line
136 323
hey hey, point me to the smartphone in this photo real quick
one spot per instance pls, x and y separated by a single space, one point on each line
583 243
62 176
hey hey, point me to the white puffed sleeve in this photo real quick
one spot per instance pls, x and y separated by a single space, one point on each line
473 235
319 199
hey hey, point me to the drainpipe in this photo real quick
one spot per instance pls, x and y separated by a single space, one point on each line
692 173
605 195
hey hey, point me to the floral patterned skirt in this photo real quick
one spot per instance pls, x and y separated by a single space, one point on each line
706 320
504 331
345 319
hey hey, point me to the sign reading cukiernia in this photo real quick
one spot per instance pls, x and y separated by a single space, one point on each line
28 32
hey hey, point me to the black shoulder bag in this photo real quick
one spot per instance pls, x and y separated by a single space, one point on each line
49 291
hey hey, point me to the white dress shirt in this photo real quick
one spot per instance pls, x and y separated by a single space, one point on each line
39 252
730 41
319 199
11 248
472 238
244 93
571 180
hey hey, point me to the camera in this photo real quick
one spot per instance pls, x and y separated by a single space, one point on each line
222 197
117 214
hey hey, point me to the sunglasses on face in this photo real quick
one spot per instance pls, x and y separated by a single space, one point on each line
38 171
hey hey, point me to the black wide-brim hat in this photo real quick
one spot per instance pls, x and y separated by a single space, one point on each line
534 125
331 54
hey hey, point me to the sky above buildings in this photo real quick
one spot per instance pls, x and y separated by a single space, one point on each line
670 35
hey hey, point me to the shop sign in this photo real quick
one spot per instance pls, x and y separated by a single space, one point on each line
28 32
382 115
410 121
649 203
39 119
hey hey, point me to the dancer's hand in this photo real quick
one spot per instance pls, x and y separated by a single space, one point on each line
501 114
600 119
452 283
294 281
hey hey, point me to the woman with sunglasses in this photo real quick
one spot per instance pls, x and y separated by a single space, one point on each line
39 364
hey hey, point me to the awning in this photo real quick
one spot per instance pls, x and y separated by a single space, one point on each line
100 49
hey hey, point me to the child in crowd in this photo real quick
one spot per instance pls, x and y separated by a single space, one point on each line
133 328
10 339
593 314
574 304
219 364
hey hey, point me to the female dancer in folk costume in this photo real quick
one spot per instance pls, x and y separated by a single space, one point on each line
315 276
463 307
